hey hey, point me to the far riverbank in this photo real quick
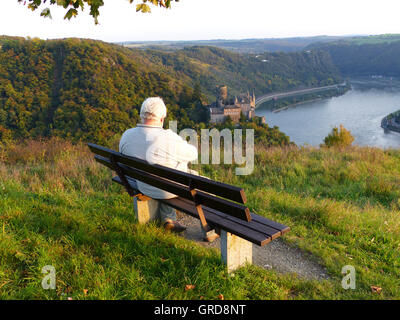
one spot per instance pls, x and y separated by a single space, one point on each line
392 122
296 104
285 103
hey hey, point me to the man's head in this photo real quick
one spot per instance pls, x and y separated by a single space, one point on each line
153 111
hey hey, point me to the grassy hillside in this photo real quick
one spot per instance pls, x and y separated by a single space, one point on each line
58 207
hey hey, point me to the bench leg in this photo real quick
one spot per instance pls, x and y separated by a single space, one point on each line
235 251
145 210
208 235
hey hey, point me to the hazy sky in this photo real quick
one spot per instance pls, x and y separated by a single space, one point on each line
209 19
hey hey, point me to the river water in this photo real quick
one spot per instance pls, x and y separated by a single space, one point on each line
360 110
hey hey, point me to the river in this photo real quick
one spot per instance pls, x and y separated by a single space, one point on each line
360 110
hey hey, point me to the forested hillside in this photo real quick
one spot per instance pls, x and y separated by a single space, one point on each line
263 73
90 90
364 56
80 89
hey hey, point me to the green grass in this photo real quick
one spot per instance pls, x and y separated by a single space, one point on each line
342 206
58 207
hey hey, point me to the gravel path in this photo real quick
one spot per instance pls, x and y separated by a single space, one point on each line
276 255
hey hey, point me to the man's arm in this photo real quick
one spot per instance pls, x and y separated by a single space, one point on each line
183 151
169 149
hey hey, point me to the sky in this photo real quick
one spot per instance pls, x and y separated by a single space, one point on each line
208 19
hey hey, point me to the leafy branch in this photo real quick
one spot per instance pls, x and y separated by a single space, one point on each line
72 6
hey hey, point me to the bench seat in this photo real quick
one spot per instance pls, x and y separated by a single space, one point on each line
259 230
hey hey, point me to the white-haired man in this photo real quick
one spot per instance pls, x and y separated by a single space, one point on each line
150 142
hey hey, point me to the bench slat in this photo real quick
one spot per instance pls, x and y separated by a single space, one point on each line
218 188
257 232
214 219
265 221
236 210
255 226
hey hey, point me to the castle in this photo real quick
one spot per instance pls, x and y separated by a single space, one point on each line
222 108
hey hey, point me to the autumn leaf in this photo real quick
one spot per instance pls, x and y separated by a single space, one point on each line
189 287
46 13
221 297
143 8
71 13
376 289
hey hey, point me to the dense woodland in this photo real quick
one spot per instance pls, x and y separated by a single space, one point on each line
90 90
81 89
263 73
365 56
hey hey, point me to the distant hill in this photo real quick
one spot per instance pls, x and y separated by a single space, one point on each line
352 55
358 40
263 73
90 90
241 46
364 56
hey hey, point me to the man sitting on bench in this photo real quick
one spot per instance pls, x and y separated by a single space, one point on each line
150 142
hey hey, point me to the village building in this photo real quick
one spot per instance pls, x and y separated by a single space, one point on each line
223 107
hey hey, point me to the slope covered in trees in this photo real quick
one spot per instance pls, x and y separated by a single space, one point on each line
90 90
80 89
263 73
364 56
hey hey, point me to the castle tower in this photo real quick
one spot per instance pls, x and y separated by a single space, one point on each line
222 95
222 92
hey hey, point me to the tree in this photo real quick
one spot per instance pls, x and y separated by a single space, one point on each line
339 138
5 136
72 6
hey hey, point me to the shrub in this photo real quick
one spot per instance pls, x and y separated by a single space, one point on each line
339 137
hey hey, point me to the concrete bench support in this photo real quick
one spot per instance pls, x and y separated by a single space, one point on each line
235 251
145 210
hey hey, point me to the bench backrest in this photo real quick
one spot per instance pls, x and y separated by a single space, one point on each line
216 195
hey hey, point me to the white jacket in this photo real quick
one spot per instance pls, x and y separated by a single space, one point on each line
157 146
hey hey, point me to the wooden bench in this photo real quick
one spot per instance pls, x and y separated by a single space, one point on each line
217 205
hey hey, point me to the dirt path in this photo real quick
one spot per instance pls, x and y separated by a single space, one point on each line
276 255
